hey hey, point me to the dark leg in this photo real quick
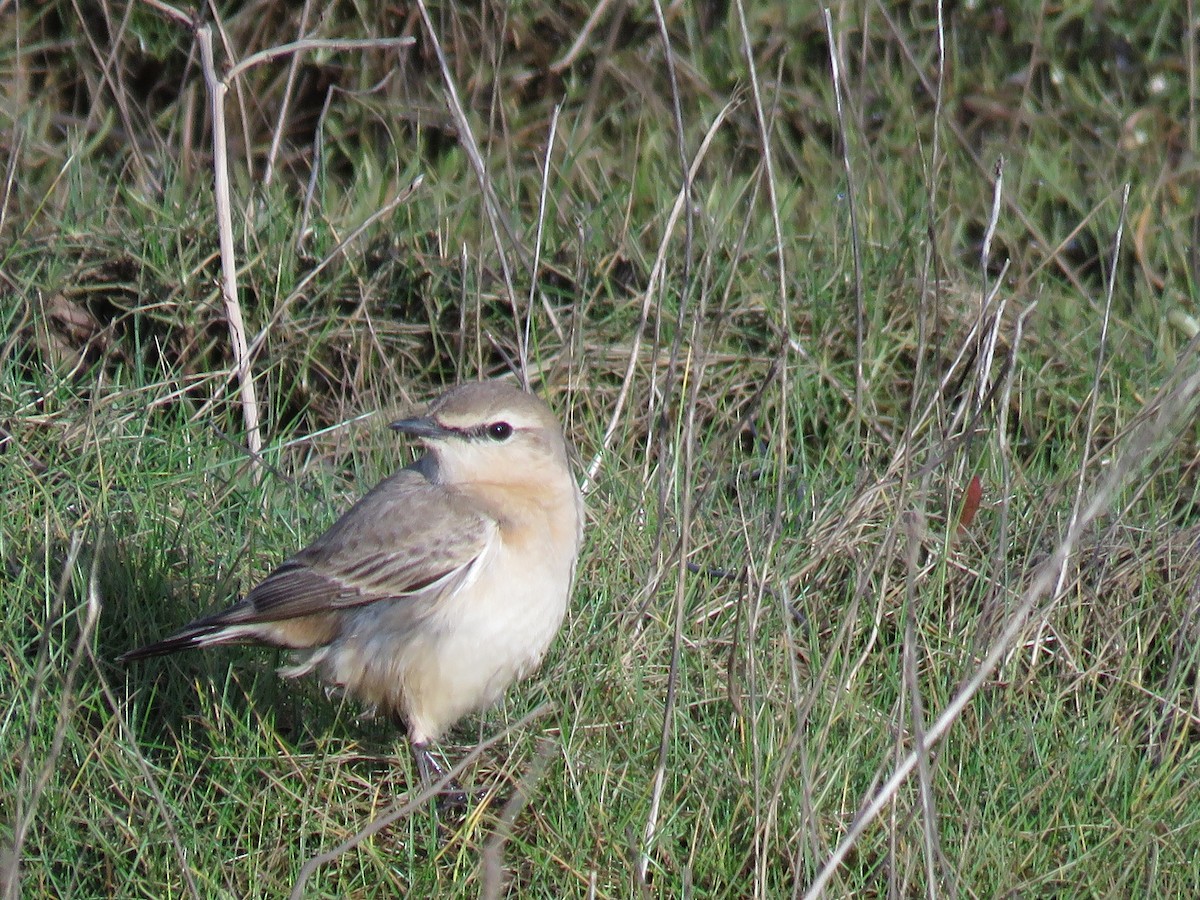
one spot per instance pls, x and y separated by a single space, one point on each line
427 766
451 796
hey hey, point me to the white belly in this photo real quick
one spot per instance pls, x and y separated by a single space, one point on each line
459 657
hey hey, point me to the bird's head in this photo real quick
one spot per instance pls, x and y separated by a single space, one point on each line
490 432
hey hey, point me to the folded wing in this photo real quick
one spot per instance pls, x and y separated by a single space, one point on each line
409 540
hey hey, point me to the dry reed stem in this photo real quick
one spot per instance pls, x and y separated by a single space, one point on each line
229 289
217 89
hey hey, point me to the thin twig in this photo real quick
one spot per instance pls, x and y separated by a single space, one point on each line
314 172
930 279
564 61
664 35
285 104
271 53
764 135
217 89
985 252
229 291
170 12
491 205
534 290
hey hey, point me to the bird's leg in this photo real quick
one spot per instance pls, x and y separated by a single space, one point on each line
451 796
427 767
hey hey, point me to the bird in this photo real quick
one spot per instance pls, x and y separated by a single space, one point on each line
443 585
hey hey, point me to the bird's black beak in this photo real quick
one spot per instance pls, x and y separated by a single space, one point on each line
422 427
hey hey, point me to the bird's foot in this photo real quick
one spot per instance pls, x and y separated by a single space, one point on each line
451 797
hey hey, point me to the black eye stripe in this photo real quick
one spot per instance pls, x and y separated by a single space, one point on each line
498 431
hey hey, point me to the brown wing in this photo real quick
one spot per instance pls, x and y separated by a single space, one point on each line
404 537
408 538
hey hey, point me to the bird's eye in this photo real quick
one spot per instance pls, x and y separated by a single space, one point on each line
499 431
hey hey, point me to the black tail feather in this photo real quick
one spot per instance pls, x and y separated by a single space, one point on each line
188 639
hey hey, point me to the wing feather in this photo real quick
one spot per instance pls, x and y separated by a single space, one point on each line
407 537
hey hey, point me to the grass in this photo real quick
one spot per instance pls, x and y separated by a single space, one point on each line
784 392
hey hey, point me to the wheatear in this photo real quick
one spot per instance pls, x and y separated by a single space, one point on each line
444 584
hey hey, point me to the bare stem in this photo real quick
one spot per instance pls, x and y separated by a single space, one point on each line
229 293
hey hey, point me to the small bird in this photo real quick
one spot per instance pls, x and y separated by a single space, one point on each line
440 587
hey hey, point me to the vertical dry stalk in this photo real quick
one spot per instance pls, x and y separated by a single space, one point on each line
491 205
285 105
217 89
764 134
860 315
229 293
537 243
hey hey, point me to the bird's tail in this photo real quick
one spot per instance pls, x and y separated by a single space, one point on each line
190 638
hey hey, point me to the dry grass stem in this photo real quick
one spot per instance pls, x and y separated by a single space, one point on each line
860 317
229 290
648 300
491 861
